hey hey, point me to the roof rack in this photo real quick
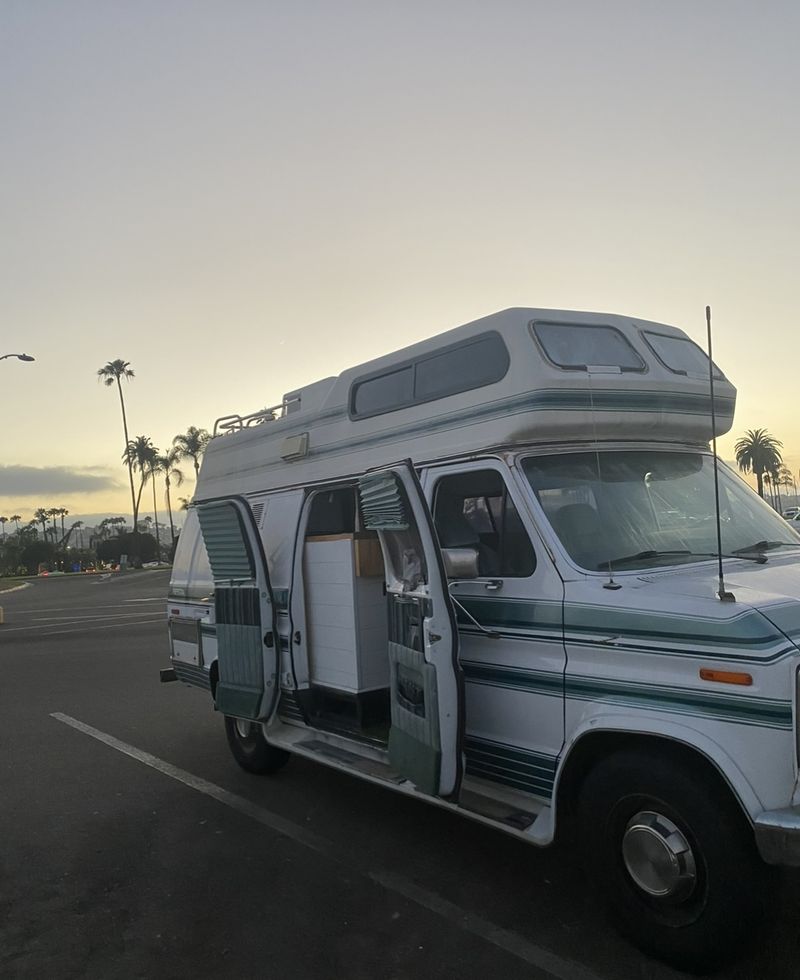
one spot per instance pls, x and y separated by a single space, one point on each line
234 423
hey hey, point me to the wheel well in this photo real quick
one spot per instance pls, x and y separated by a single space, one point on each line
593 748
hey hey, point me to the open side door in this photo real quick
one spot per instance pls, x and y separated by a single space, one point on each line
426 685
247 650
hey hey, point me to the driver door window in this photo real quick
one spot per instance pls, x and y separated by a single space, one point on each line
474 510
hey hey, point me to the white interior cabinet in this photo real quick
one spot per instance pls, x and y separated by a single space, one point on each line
346 615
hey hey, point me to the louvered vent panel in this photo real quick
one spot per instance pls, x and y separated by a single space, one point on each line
383 506
227 549
258 512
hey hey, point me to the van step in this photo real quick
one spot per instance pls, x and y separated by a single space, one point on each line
368 766
496 810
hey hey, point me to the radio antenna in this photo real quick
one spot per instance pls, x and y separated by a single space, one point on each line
721 593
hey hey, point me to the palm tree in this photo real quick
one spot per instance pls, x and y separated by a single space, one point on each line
62 513
3 522
154 460
768 484
192 444
16 518
113 373
758 452
775 480
185 501
168 465
40 516
75 526
139 455
784 479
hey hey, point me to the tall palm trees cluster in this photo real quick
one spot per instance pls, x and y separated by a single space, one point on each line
145 459
760 453
42 516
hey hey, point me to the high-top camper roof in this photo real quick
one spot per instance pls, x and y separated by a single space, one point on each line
518 377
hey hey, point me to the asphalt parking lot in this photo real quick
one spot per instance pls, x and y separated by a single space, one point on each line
131 845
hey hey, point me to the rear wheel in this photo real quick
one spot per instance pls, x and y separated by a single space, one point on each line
674 859
250 749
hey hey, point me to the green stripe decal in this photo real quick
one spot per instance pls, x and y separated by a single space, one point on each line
521 769
514 678
760 712
746 637
740 710
548 400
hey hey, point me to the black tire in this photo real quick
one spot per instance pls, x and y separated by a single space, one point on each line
250 749
716 892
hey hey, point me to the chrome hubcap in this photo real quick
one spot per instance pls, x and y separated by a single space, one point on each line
244 729
658 856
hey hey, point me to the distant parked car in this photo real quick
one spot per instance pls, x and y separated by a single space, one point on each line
794 521
791 512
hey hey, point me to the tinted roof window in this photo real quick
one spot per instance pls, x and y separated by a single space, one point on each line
459 369
471 364
384 393
574 346
680 354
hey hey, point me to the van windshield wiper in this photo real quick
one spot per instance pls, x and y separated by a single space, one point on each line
639 556
765 546
759 558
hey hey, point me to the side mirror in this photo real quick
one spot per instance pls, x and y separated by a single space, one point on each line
460 562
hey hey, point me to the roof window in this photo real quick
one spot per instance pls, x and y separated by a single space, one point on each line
579 346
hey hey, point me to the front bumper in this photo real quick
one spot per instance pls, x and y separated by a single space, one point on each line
778 836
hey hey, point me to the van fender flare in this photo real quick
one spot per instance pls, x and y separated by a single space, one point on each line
705 747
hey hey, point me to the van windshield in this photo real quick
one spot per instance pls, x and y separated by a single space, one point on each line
642 509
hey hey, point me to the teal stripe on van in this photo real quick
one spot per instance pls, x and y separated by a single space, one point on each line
521 769
748 637
547 400
740 710
736 709
544 682
786 616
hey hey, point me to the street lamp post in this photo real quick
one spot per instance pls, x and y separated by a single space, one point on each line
20 357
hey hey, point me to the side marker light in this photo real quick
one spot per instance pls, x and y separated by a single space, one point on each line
726 677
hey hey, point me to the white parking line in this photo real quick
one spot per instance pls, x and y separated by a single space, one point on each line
95 606
89 619
544 960
87 629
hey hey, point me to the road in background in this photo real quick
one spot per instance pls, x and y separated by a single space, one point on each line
111 868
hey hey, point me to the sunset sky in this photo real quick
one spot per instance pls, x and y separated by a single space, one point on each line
240 197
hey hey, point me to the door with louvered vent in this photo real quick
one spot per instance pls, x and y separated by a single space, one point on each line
426 686
247 650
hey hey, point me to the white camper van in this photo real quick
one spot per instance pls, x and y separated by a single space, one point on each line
482 571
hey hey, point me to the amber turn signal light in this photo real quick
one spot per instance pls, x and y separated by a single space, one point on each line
726 676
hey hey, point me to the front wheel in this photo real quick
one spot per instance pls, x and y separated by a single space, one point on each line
250 749
674 859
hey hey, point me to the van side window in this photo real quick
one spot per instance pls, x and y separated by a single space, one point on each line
474 510
332 512
191 573
470 364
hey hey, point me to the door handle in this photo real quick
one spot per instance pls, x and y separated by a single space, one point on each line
269 640
494 585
